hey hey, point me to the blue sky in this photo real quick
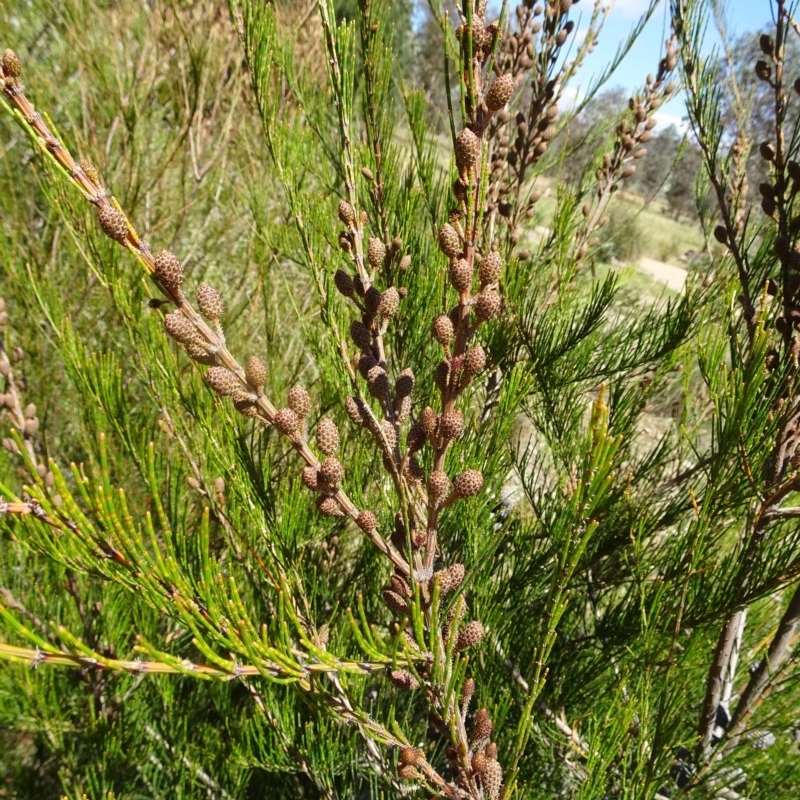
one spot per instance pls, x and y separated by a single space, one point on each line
741 16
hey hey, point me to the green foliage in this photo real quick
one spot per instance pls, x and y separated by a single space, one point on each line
177 617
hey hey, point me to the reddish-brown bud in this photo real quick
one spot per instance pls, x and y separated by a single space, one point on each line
470 635
389 302
468 150
346 214
113 222
332 472
367 521
443 330
438 486
449 241
490 268
376 252
299 401
487 305
450 579
404 680
328 436
460 274
344 282
492 778
222 381
468 483
286 421
475 360
209 301
12 66
168 270
360 335
328 506
499 92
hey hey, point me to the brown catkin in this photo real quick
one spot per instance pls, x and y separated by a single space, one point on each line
310 478
346 214
487 305
468 150
344 282
389 303
449 241
286 421
332 472
499 92
416 438
377 382
475 360
409 756
168 270
438 486
367 521
427 420
492 778
355 411
222 381
329 506
468 689
245 405
400 585
327 436
478 761
412 469
376 252
443 330
403 679
209 301
388 434
298 400
470 635
395 601
402 409
482 728
404 384
256 371
490 268
460 274
441 376
451 425
180 329
468 483
360 335
450 579
12 66
372 299
113 222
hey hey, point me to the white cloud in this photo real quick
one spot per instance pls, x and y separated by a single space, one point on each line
631 9
665 120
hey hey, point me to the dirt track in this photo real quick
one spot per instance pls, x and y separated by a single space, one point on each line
673 277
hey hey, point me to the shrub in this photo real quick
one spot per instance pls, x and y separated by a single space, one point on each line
265 408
